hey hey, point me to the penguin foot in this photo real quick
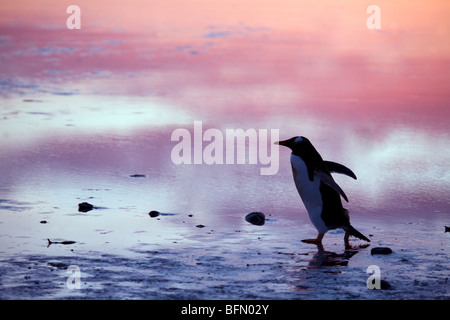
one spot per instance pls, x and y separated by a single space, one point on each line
312 241
318 240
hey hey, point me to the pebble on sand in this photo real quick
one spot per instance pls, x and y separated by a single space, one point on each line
59 242
138 176
256 218
85 207
381 250
153 214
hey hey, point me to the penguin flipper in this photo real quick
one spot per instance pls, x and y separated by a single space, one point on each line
339 168
327 179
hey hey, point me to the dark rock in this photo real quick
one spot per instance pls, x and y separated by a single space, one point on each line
138 176
153 214
58 265
381 250
256 218
385 285
85 207
447 229
43 221
200 226
59 242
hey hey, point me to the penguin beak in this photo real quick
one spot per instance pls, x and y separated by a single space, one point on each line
281 143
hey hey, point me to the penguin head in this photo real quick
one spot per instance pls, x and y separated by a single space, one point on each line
300 146
294 143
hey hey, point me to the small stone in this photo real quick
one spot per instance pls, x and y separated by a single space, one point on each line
153 214
138 176
381 250
256 218
43 222
85 207
58 265
200 226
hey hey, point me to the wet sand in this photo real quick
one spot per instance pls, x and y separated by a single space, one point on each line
169 257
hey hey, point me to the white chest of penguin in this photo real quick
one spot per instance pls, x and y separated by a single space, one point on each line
309 191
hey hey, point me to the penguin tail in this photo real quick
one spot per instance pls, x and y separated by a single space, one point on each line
352 231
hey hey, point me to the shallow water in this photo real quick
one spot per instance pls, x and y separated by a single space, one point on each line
123 253
82 113
170 258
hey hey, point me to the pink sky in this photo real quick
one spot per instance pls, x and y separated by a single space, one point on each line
269 55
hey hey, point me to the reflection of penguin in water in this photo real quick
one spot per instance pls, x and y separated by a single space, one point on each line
324 258
318 190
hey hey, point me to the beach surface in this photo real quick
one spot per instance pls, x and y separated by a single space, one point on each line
199 246
215 262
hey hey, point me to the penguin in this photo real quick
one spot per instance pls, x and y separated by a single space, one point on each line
319 192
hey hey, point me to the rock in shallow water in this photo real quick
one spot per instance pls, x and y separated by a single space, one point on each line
381 250
59 242
153 214
256 218
85 207
385 285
